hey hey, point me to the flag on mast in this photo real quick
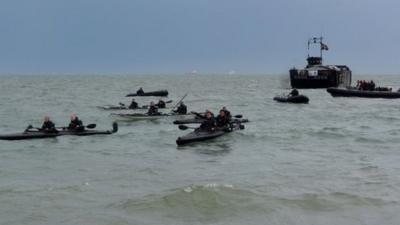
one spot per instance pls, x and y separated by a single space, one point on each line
324 47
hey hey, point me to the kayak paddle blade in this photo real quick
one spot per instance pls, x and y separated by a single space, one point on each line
91 126
238 116
115 127
183 127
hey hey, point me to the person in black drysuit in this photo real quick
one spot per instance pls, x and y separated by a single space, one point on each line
209 123
75 124
222 119
294 92
227 113
161 104
182 109
133 105
153 110
140 91
48 125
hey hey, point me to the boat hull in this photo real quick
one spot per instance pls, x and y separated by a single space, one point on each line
140 116
301 99
161 93
341 92
324 78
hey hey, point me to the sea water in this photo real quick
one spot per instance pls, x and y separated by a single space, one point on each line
332 161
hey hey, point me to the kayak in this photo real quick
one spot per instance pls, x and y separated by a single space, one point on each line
35 134
200 120
145 116
120 107
292 99
116 107
160 93
353 92
199 135
89 132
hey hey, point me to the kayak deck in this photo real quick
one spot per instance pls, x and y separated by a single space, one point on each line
198 135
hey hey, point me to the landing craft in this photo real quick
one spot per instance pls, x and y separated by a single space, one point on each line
317 75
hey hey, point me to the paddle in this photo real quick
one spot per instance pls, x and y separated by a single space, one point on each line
30 127
184 127
121 104
179 102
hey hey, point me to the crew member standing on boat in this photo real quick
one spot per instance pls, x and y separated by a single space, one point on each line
140 91
294 92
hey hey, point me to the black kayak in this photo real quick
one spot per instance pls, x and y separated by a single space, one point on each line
120 107
160 93
302 99
35 134
353 92
199 135
28 135
200 120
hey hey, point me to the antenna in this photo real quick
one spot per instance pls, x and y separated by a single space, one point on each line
315 40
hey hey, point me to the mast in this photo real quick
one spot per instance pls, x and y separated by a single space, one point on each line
315 41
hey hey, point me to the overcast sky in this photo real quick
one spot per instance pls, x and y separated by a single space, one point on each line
210 36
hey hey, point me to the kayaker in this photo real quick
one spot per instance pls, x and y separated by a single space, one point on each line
133 105
75 124
294 92
161 104
48 125
222 119
209 123
140 91
227 112
182 109
153 110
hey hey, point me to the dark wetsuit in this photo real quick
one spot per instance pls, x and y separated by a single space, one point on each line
133 105
161 104
182 109
222 121
228 114
208 124
49 127
140 91
294 92
153 110
76 125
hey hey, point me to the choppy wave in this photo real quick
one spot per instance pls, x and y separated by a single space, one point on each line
213 203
